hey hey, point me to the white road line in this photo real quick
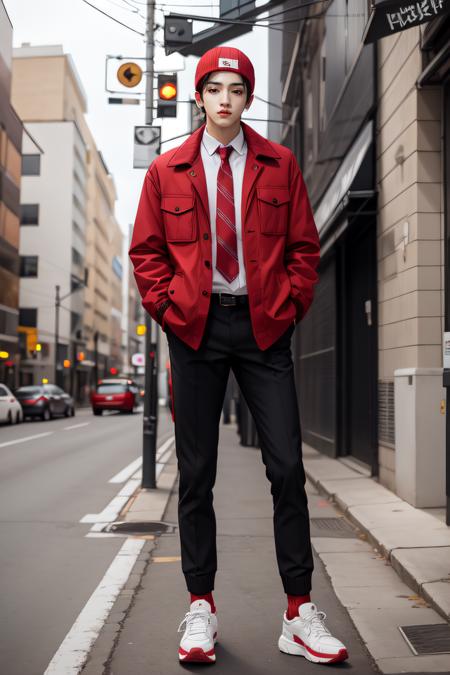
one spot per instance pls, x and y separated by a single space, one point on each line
74 650
111 511
76 426
26 438
129 470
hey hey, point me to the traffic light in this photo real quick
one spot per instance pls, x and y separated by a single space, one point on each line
167 95
141 329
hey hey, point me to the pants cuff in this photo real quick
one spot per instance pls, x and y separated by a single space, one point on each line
200 584
297 585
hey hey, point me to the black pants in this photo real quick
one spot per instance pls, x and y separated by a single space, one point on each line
266 379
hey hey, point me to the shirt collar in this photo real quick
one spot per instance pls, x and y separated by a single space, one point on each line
211 144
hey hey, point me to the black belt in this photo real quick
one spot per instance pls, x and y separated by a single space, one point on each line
229 300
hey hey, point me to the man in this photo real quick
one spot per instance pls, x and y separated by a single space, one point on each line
225 252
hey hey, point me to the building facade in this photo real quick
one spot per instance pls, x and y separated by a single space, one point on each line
10 162
71 242
369 125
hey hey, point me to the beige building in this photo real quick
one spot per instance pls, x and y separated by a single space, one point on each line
74 237
410 233
369 124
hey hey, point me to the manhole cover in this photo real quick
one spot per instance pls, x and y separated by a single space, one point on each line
331 527
431 638
151 527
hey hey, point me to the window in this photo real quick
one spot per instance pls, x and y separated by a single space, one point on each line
52 390
3 391
28 265
77 258
31 165
29 214
111 388
28 317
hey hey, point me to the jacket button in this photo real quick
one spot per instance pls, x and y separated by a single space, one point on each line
177 208
204 292
205 235
275 200
192 173
255 167
207 263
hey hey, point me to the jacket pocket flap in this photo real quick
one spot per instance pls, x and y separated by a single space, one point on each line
273 195
177 204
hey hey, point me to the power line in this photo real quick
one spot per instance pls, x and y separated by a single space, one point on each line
135 9
112 18
131 8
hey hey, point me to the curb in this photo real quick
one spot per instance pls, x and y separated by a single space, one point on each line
390 525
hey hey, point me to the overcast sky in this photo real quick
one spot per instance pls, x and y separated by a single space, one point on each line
89 37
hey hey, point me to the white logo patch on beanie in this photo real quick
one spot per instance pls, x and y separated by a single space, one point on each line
228 63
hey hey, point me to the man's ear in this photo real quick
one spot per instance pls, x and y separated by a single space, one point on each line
199 102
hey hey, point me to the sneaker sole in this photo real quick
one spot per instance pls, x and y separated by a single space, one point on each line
197 654
290 647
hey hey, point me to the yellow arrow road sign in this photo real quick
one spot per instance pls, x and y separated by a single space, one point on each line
129 74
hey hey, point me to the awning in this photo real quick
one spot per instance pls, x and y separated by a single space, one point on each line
438 69
336 196
389 16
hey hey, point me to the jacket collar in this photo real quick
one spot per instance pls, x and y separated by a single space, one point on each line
187 152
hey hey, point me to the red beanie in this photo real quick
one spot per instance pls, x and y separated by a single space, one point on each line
225 58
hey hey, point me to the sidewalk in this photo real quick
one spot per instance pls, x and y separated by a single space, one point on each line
363 597
416 543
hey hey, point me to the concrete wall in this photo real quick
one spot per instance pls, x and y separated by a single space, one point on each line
410 218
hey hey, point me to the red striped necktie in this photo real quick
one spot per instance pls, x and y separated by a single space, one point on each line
227 256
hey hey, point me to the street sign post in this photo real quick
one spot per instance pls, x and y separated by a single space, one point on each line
147 145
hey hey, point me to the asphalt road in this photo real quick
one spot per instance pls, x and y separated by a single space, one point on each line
48 567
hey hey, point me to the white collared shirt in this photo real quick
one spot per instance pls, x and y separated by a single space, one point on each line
211 164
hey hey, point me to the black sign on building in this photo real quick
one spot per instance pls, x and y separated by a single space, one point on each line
392 16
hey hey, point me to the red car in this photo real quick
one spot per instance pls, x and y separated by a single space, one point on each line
115 394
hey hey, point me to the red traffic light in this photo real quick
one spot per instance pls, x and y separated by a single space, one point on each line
168 91
167 95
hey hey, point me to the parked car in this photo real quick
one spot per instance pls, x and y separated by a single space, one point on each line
115 394
10 408
45 401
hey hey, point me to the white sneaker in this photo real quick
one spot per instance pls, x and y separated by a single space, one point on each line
200 635
306 635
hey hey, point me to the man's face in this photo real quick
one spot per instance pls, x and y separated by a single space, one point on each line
224 91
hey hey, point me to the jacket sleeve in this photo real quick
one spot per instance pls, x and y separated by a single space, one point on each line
302 252
148 251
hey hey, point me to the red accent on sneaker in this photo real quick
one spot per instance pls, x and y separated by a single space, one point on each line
340 656
196 654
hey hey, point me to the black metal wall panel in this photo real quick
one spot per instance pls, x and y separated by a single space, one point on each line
316 366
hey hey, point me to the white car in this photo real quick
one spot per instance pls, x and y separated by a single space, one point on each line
10 408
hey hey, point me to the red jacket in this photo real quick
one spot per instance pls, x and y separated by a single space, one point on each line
171 244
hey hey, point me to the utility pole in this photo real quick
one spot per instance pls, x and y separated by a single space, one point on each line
151 349
57 305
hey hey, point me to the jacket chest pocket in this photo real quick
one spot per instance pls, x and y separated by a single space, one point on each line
178 217
273 209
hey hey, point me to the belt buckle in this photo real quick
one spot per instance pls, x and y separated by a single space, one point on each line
226 301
